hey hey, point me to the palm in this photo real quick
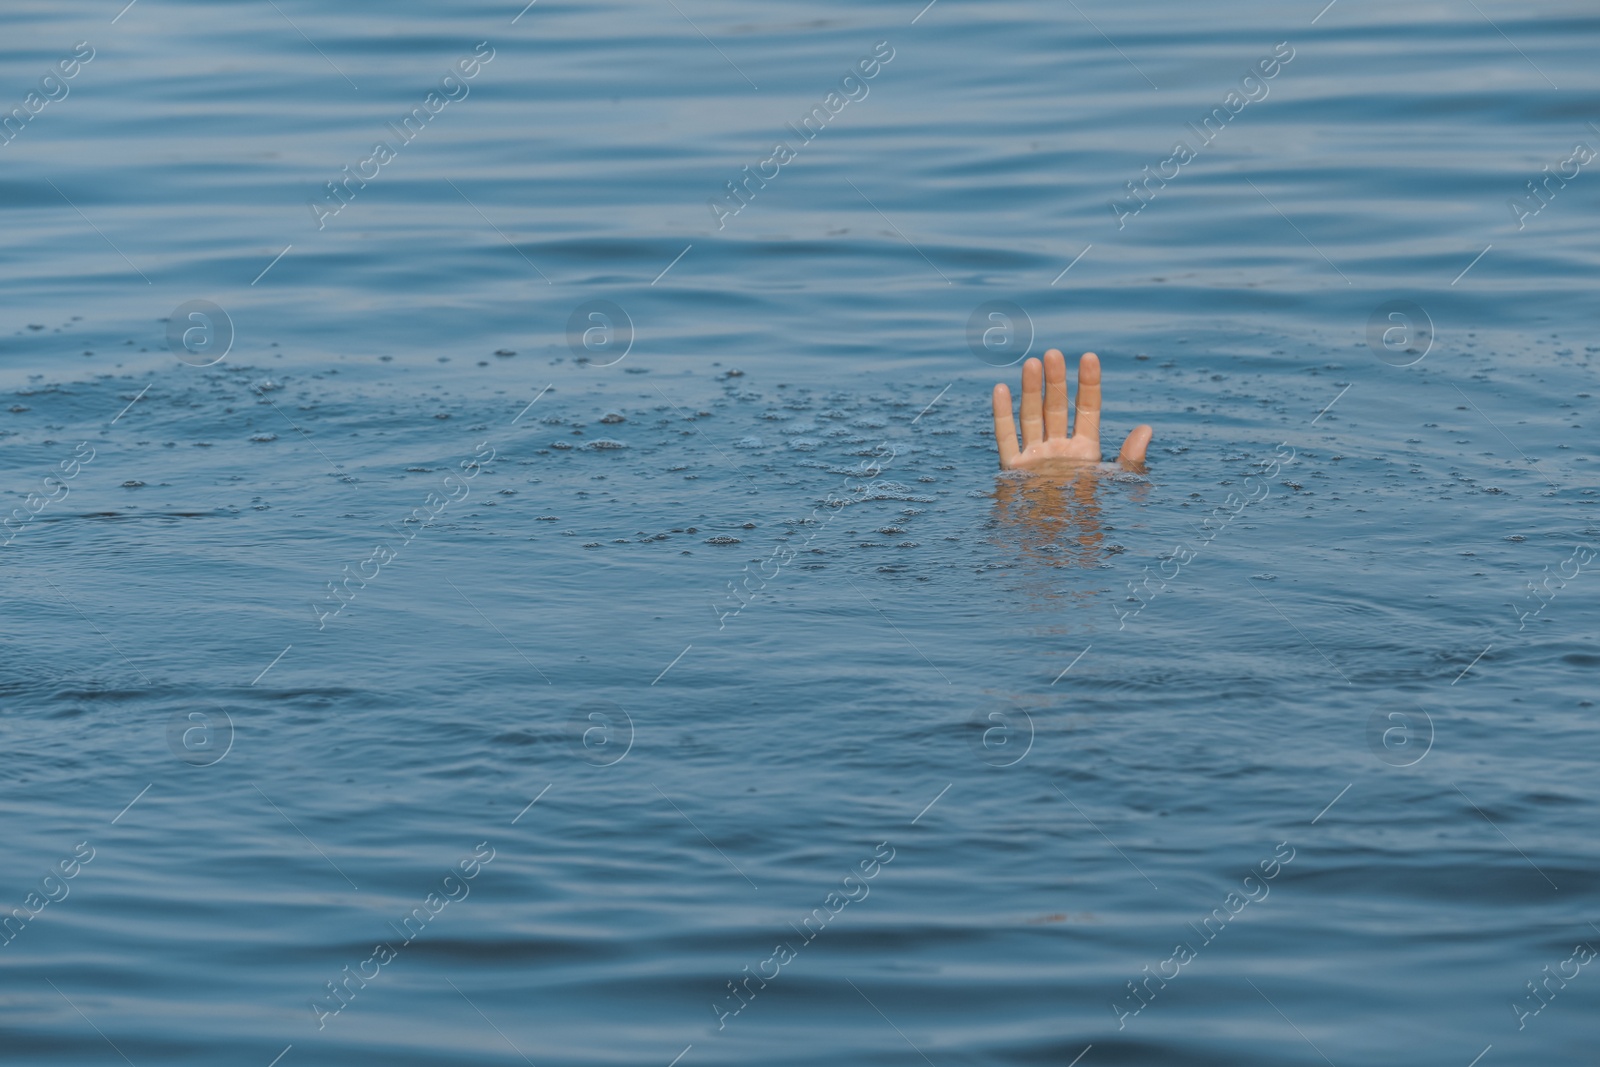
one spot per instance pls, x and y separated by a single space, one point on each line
1044 418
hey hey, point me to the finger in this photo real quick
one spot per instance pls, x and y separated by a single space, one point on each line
1005 427
1055 394
1087 422
1032 403
1133 449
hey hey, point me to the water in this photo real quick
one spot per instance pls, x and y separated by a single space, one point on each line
662 700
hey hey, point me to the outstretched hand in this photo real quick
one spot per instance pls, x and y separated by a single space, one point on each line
1044 418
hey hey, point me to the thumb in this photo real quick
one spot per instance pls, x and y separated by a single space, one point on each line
1133 449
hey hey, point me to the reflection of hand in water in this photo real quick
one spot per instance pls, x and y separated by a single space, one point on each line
1046 445
1054 517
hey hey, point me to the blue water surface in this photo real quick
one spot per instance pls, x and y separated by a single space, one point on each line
505 561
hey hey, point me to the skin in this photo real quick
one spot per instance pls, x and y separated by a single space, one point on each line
1046 444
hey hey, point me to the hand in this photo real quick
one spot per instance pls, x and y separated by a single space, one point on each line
1044 418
